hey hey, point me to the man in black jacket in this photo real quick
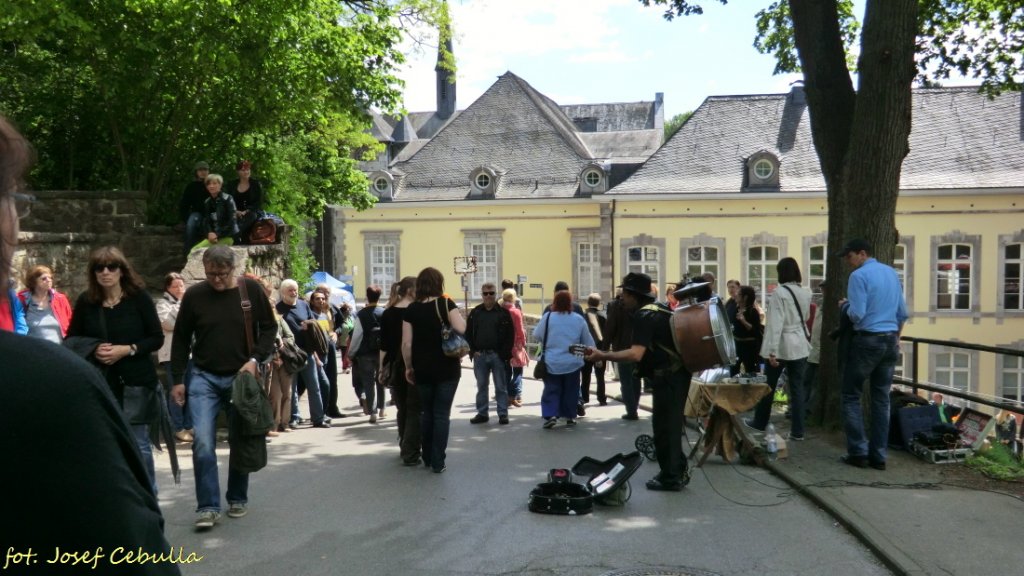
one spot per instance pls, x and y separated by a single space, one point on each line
490 335
596 321
365 354
211 328
190 208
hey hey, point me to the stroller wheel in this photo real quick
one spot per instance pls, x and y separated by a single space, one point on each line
645 445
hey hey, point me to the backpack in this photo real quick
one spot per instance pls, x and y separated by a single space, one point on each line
263 231
370 322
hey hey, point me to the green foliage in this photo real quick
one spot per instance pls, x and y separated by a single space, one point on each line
998 462
675 123
129 94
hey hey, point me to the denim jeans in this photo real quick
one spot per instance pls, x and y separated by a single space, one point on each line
488 365
515 381
629 384
797 410
317 388
207 394
193 230
560 396
873 358
181 419
436 400
366 367
141 433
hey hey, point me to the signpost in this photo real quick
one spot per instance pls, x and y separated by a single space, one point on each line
539 286
463 266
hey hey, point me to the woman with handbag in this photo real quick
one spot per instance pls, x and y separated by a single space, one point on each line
428 369
786 346
115 326
559 330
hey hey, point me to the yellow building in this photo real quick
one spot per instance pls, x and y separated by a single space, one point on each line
735 190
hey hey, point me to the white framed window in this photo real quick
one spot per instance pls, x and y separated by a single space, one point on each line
382 253
1011 377
899 263
701 259
816 266
482 181
588 269
486 254
383 266
381 184
592 178
761 272
1012 277
953 276
953 369
764 169
645 260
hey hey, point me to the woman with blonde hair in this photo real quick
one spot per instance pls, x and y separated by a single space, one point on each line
47 311
115 326
520 358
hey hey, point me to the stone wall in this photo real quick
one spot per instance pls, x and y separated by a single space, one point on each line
64 227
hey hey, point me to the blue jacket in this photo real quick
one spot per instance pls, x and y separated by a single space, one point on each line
563 330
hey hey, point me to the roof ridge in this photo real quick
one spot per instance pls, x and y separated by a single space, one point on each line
551 110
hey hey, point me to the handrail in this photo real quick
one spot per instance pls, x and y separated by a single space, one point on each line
914 381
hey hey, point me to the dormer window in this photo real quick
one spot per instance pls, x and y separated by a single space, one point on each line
482 181
594 178
383 184
762 171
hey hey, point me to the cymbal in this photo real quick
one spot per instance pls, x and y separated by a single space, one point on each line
691 290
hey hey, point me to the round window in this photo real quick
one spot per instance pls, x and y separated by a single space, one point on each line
592 178
381 184
764 169
483 181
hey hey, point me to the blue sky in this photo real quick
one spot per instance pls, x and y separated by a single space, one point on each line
588 51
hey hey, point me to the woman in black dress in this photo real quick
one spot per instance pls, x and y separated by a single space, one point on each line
747 331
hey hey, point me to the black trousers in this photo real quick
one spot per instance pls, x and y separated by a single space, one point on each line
598 371
670 391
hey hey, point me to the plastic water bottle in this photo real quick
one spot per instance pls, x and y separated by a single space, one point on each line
771 443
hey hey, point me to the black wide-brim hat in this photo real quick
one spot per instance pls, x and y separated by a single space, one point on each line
638 283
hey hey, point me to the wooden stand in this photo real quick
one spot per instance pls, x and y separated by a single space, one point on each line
726 400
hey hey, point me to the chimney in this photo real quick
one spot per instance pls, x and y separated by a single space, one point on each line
796 93
659 111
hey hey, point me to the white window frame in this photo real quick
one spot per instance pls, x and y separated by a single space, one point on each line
1015 372
946 373
482 181
817 266
655 264
375 271
1004 261
648 261
383 266
381 184
959 290
766 264
588 268
760 164
487 245
595 174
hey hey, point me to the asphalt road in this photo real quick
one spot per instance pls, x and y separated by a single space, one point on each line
338 501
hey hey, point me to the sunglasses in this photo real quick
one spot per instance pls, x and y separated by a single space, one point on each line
488 293
108 267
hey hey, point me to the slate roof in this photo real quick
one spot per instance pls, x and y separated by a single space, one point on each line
615 117
959 139
512 128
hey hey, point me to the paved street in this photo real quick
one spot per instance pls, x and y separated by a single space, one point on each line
338 501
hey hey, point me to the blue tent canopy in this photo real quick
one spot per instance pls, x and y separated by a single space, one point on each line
322 277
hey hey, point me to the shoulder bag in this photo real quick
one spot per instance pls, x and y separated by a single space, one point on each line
540 369
453 344
799 313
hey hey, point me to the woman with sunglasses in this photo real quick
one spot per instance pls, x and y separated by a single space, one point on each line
115 326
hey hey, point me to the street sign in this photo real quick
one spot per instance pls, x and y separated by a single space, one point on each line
536 285
521 279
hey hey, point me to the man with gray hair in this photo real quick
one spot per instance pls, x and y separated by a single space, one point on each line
211 328
490 334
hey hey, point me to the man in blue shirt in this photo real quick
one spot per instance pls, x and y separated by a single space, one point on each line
878 311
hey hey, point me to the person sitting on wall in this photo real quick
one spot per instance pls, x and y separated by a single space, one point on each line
219 215
190 208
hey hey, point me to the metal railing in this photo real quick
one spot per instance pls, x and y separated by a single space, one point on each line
915 381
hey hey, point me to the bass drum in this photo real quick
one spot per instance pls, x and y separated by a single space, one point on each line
702 336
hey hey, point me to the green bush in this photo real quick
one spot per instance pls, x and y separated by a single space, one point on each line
998 462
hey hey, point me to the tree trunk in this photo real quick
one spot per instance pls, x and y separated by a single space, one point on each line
861 140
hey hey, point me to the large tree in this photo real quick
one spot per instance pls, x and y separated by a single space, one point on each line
861 135
128 94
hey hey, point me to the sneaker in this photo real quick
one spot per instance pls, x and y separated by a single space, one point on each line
749 423
790 436
570 422
440 470
206 519
502 419
183 436
324 424
237 510
630 417
479 419
550 423
580 410
373 418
